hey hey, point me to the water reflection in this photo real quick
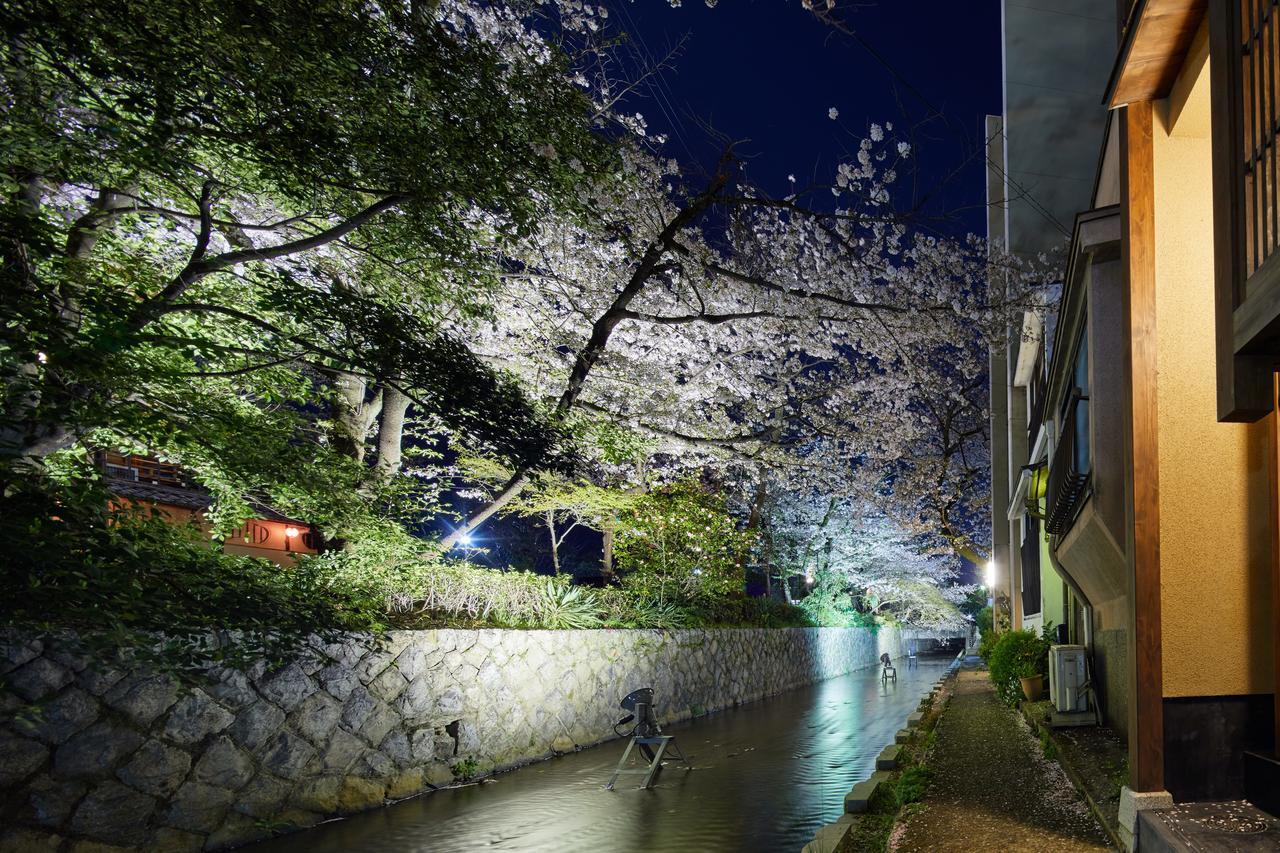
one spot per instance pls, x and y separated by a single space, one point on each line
766 776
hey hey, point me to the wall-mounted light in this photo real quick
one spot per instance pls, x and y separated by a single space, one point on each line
291 532
991 574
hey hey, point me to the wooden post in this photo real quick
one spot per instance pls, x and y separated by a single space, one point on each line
1146 711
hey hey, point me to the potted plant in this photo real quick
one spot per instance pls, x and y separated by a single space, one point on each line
1032 681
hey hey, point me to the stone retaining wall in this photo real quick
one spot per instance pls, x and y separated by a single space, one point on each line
90 758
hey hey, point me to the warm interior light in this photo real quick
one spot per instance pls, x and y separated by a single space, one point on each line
291 532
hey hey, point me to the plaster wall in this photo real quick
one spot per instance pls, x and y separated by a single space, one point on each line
107 759
1215 548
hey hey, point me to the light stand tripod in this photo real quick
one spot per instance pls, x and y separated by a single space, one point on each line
646 734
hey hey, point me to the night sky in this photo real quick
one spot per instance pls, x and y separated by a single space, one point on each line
767 71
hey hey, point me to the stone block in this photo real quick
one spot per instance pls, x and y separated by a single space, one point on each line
422 742
416 703
263 796
38 679
316 717
95 751
98 678
23 840
224 765
1132 802
114 812
232 689
287 687
406 783
358 794
156 768
195 717
170 840
256 725
449 703
51 800
143 698
288 755
338 681
342 750
318 795
80 845
71 711
888 757
19 757
902 736
236 830
357 709
412 662
915 719
389 684
396 747
16 651
379 722
198 807
856 801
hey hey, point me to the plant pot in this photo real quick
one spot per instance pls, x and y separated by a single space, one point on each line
1033 687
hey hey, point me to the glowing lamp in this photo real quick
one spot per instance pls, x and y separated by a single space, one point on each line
291 532
991 574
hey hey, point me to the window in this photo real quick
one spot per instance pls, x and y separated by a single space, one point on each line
1030 565
1244 44
1072 461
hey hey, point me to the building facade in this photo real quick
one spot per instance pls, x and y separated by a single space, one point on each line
1162 494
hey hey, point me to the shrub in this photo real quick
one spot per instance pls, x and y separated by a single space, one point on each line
912 785
984 620
564 606
681 544
1017 654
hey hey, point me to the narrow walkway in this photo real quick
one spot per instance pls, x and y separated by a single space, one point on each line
992 787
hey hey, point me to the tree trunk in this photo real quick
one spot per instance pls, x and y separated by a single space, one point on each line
555 546
606 568
391 433
753 526
352 415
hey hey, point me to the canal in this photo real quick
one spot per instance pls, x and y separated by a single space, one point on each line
766 776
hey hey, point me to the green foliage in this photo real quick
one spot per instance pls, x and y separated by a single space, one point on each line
466 768
118 578
830 603
1047 746
1018 654
912 785
565 606
983 618
681 544
987 645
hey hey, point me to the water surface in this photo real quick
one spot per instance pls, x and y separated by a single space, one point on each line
766 776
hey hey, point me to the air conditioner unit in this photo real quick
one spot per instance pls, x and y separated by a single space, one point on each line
1066 679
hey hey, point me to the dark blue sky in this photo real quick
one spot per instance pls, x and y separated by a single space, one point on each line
767 71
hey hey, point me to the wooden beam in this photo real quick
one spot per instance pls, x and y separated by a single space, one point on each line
1146 733
1273 473
1157 38
1244 383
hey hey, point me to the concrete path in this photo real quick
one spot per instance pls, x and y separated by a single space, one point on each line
992 787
